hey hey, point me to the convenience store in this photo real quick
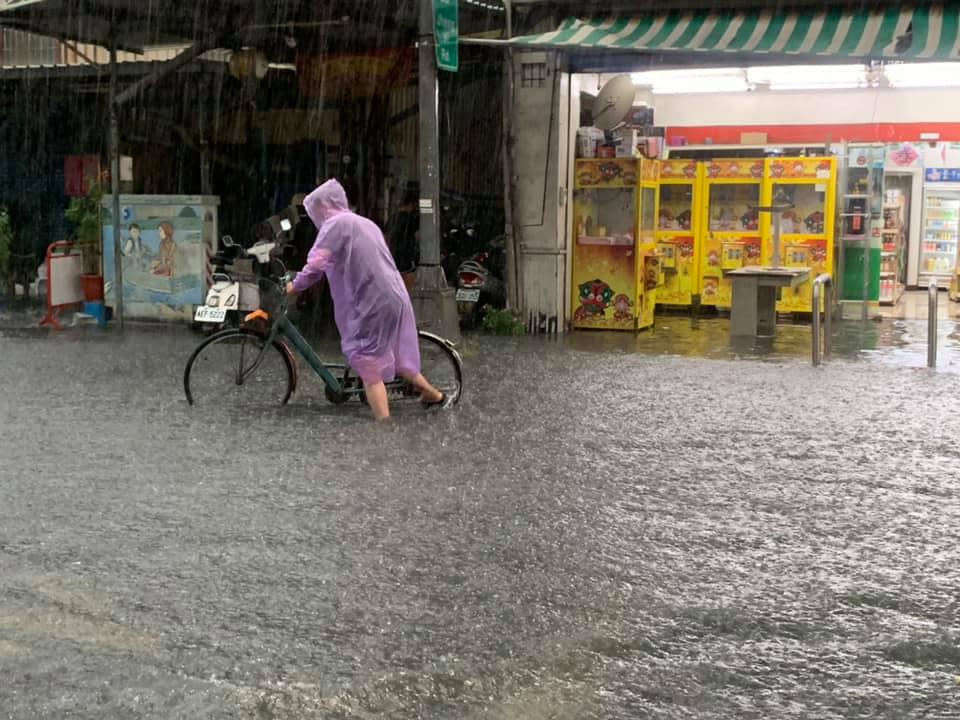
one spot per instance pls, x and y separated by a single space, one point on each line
872 92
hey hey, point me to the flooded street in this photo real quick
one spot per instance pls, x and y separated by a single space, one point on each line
610 526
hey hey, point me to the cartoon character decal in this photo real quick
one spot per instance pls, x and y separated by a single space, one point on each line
609 171
595 297
818 251
621 308
711 287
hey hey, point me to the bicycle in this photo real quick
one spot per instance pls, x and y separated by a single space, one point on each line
258 363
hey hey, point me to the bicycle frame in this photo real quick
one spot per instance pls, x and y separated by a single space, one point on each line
283 328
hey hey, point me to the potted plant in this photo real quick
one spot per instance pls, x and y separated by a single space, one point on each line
84 213
6 248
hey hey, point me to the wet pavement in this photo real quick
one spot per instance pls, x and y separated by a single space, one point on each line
610 526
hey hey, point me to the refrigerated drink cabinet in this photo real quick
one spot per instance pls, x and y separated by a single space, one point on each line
941 224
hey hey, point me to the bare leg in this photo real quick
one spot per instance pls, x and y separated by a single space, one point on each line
377 399
428 393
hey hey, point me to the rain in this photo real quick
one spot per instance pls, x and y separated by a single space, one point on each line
670 522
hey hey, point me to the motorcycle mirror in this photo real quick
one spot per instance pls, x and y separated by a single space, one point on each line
227 241
470 232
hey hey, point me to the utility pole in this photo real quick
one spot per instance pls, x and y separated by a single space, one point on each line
434 303
115 183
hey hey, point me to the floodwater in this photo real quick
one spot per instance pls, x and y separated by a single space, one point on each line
608 527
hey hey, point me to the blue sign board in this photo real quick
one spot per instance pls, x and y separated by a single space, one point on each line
950 175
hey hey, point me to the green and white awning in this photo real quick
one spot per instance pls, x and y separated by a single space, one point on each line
931 32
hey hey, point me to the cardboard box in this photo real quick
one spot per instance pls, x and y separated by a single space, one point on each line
753 138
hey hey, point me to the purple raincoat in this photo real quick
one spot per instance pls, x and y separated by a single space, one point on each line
378 332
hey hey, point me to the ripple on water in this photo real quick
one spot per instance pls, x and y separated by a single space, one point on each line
610 527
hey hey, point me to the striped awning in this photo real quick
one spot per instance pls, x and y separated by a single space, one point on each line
931 32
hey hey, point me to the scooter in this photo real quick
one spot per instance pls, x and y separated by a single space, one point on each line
479 285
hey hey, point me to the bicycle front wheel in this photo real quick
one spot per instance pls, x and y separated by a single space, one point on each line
234 368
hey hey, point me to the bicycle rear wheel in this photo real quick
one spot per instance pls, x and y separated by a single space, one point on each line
224 370
441 366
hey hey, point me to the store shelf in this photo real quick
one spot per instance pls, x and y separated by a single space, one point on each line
892 299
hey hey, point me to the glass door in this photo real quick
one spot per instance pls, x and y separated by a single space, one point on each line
938 243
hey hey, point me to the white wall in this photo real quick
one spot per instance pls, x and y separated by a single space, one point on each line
762 107
539 156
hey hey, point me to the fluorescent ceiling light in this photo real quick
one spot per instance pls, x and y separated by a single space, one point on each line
923 74
706 80
809 77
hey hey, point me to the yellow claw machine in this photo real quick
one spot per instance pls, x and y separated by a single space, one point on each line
730 231
615 265
678 231
806 230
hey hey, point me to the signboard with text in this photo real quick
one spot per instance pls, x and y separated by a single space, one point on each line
948 175
446 29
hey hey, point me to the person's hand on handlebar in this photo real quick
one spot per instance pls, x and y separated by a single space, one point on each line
290 290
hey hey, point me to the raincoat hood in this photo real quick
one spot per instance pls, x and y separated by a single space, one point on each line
326 201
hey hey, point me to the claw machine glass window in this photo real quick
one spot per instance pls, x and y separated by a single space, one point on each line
806 230
730 207
678 225
605 244
731 239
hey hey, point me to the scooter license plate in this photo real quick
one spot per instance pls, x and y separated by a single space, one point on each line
468 295
210 315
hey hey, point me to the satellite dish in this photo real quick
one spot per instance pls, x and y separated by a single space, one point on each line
613 102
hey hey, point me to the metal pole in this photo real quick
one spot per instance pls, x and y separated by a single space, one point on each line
510 228
777 217
115 184
828 317
429 152
932 324
822 288
433 302
816 322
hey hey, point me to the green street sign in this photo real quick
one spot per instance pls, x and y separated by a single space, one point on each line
446 27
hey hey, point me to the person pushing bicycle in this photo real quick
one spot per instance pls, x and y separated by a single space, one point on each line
372 307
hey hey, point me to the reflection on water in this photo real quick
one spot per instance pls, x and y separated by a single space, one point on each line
896 342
